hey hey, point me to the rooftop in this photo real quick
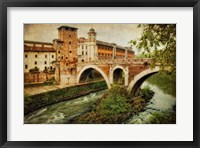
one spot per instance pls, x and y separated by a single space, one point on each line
111 45
67 27
38 49
58 40
82 40
37 42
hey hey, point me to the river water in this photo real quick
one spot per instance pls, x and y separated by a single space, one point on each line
64 112
161 102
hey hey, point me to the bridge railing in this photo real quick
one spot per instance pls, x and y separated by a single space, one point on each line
118 61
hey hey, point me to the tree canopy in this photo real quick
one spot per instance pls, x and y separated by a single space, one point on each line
158 41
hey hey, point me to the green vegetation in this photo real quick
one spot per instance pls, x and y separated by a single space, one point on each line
141 101
144 55
114 107
139 104
158 41
35 69
164 117
146 94
34 102
165 82
49 82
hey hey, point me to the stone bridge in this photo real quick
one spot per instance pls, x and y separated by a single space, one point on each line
133 72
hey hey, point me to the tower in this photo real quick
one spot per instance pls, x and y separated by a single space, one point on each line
92 47
67 54
68 35
92 35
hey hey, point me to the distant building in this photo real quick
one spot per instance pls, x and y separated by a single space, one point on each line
91 49
38 61
38 55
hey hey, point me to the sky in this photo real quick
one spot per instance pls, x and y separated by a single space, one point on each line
120 34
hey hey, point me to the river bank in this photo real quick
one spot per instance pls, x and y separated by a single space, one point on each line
34 102
64 112
160 109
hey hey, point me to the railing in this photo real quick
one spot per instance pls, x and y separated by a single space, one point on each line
117 61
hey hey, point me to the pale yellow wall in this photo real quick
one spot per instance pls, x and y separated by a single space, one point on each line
30 60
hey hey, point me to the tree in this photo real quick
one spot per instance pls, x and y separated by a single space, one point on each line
158 41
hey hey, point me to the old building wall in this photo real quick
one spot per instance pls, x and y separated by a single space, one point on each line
37 77
67 54
105 52
40 60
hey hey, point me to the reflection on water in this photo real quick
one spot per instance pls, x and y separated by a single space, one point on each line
64 112
160 102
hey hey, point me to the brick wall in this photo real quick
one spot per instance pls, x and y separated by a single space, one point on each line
136 69
38 77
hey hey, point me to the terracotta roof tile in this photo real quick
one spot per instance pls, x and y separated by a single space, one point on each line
37 42
39 49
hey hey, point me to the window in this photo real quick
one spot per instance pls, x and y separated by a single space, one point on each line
70 36
52 56
85 53
66 58
26 66
62 57
82 52
82 47
85 47
58 51
45 56
35 62
26 55
70 51
45 62
70 42
36 56
51 67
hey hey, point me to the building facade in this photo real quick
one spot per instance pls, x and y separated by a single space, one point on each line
91 49
38 61
62 56
38 55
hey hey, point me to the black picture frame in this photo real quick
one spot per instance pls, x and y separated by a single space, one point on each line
4 4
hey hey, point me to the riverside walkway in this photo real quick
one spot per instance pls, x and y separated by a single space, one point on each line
29 91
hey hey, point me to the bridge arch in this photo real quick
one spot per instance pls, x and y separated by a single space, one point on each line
125 73
136 83
97 69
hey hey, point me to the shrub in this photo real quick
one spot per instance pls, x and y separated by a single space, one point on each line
112 108
49 82
146 93
35 69
162 118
